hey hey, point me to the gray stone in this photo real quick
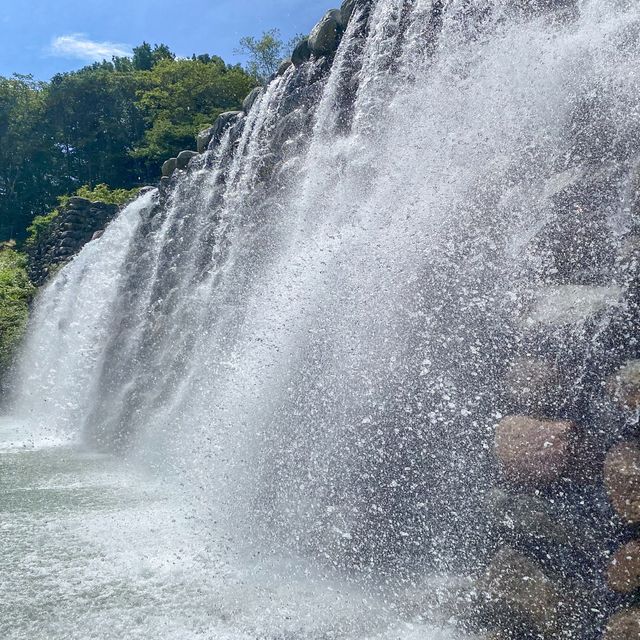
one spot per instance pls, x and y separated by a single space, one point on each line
325 36
169 167
250 100
224 121
624 385
520 592
97 235
301 53
285 65
76 202
346 11
525 518
165 182
184 157
572 304
203 139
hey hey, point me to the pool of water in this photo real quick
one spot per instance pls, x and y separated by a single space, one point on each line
91 547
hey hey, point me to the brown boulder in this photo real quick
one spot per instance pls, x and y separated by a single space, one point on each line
625 625
532 450
519 593
624 385
622 480
623 574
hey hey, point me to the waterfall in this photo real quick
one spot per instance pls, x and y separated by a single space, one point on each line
307 329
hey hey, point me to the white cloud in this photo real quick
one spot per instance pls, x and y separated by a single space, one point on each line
77 45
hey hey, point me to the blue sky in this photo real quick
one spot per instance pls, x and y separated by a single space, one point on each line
43 37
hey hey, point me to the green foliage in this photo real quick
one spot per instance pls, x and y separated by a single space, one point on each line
112 123
39 227
16 292
103 193
181 97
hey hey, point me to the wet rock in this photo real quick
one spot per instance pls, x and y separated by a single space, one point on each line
224 120
573 304
624 385
169 167
624 625
526 518
301 53
97 235
623 574
203 139
285 65
532 450
184 157
533 385
521 595
622 480
76 202
250 100
165 182
346 11
325 36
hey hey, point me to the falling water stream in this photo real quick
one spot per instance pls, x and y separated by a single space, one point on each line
260 405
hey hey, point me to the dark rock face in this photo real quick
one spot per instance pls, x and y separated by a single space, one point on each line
325 36
184 157
301 53
78 223
250 100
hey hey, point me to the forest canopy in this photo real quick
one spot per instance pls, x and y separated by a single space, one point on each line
112 122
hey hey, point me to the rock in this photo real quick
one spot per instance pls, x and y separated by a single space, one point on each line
169 167
184 157
285 65
573 304
623 574
97 235
301 53
622 480
325 36
346 11
165 181
533 385
532 450
624 385
520 593
624 625
224 121
524 517
76 202
203 139
250 100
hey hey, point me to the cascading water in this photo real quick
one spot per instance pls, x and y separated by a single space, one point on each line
305 330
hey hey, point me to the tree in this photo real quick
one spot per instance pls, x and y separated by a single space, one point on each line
264 54
181 97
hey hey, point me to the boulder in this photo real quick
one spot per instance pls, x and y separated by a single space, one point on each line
165 182
76 202
250 100
624 385
301 53
528 519
623 573
573 304
624 625
169 167
622 480
97 235
223 121
532 450
325 36
346 11
285 65
184 157
533 385
203 139
519 593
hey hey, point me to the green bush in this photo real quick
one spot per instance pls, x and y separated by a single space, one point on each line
16 292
